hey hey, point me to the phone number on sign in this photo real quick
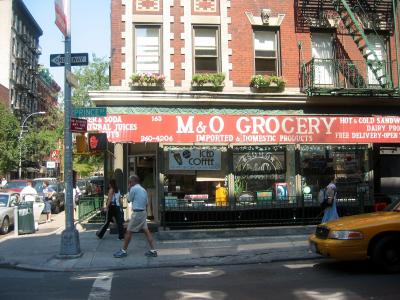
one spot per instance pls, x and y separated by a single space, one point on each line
158 138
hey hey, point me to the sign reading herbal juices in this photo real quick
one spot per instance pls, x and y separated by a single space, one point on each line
247 129
194 159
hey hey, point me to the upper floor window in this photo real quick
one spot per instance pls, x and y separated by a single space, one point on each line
206 49
265 53
147 50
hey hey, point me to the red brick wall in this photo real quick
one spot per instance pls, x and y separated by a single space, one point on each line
117 26
242 58
177 58
4 96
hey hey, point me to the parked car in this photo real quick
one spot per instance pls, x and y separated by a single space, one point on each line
58 200
7 203
374 236
84 186
97 184
16 185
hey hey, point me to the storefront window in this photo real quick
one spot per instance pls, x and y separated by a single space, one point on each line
262 175
348 164
195 177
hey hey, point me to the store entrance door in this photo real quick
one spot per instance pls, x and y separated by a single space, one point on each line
145 167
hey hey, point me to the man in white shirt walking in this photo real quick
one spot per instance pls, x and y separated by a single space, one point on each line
138 197
28 193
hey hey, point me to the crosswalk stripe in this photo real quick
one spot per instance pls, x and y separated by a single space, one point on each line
101 287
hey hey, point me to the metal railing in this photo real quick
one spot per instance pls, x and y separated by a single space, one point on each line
274 212
89 206
329 76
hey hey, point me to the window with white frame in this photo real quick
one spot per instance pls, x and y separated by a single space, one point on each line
265 52
206 49
147 50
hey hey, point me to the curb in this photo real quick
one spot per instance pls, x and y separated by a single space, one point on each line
28 267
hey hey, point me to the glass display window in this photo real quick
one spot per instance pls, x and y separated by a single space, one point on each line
348 164
257 171
196 176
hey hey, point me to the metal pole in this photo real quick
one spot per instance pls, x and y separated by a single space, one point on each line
70 246
20 140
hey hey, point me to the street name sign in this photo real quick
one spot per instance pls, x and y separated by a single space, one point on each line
88 112
77 59
78 125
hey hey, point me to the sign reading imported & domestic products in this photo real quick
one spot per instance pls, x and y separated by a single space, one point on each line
195 159
265 129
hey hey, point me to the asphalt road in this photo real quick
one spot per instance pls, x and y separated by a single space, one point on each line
316 279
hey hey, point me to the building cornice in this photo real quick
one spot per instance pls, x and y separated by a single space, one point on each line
233 99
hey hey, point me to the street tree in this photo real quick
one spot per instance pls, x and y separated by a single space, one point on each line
93 77
44 135
9 147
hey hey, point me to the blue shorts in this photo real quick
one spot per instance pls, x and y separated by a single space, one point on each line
47 206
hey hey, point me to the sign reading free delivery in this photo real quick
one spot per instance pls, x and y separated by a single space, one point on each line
184 128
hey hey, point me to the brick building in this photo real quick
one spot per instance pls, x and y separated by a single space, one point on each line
4 95
19 55
232 148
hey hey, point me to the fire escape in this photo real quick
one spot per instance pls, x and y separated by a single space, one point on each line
368 23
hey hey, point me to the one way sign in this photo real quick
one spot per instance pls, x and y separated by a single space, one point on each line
77 59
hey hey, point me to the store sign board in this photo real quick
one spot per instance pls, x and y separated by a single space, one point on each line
187 128
195 159
78 125
50 164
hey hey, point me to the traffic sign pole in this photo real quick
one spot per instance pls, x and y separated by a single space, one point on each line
70 246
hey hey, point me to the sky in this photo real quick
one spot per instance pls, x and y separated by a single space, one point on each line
90 30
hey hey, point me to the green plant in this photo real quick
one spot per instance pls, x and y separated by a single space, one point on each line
146 79
261 81
214 79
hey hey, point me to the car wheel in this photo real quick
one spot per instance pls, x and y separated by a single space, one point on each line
386 254
5 226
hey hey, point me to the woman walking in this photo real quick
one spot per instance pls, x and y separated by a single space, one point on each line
48 193
330 212
113 209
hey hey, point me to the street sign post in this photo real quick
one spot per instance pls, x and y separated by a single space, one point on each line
88 112
77 59
78 125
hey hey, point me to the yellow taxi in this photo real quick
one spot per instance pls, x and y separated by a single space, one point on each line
374 236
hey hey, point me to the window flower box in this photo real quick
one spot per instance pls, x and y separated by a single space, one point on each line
208 82
267 84
147 82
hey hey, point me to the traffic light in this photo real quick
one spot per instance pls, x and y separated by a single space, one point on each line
97 141
81 144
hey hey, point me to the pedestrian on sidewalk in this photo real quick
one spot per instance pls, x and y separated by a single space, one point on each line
330 212
48 193
138 197
114 210
28 193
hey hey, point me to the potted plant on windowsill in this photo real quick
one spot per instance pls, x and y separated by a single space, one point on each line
267 84
213 82
147 82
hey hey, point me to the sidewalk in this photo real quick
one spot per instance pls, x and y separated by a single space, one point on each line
175 248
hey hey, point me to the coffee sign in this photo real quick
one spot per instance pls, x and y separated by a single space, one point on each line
194 159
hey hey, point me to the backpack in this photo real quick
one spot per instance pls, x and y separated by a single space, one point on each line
323 199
